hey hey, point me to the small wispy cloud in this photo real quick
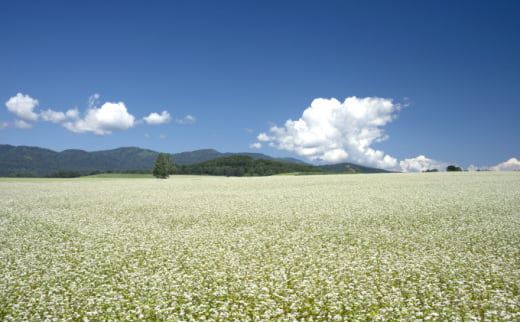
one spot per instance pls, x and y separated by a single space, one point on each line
58 116
21 124
157 119
93 101
188 119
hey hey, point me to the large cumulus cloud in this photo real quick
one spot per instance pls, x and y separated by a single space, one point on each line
333 131
102 121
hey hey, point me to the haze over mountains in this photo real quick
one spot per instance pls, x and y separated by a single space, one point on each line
42 161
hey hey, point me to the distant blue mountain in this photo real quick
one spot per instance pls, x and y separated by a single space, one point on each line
42 161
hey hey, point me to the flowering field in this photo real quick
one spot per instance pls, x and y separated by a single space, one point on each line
439 246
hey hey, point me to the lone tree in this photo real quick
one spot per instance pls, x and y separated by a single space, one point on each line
453 168
163 166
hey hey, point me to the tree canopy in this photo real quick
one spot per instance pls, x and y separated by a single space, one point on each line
245 166
163 166
453 168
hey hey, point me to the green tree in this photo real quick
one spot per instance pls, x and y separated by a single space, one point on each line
64 174
163 166
160 168
170 165
453 168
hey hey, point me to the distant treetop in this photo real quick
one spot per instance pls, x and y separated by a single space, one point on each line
453 168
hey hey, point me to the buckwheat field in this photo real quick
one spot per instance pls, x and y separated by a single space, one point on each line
406 247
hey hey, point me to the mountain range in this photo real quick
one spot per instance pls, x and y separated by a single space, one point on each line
42 161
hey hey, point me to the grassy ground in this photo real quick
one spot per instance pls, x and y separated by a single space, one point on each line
381 247
117 176
97 176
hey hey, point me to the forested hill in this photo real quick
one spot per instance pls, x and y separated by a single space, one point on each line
41 161
245 166
202 155
352 168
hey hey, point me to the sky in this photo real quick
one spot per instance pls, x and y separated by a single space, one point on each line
401 85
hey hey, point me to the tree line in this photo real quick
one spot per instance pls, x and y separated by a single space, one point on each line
236 165
450 168
73 173
245 166
230 166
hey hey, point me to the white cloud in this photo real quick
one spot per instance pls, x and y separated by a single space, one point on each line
255 145
263 137
104 120
473 168
421 163
93 100
189 119
72 114
58 116
22 124
156 119
332 131
511 164
100 121
22 106
53 116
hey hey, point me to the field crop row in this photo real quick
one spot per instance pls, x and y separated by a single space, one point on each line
434 247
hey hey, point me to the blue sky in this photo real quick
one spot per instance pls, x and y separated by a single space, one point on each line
395 84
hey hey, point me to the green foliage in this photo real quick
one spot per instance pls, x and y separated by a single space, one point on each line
453 168
163 166
22 175
21 159
170 166
159 168
64 174
137 171
119 176
39 161
245 166
352 168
